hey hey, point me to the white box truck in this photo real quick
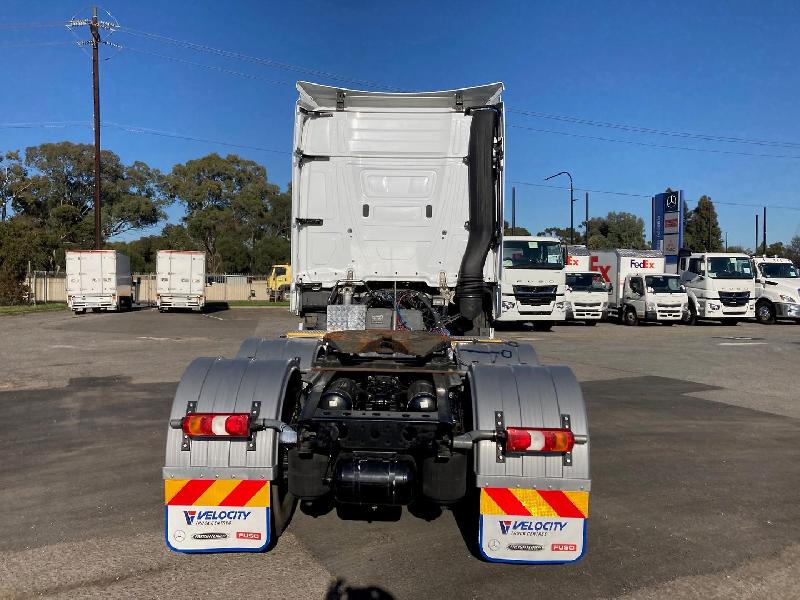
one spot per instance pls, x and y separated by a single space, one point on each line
586 293
639 289
721 286
180 279
777 290
98 279
532 281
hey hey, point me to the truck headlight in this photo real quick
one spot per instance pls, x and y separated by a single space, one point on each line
787 298
651 306
714 306
559 306
507 305
567 305
752 305
603 305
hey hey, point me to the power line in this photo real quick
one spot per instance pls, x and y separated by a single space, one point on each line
32 25
649 130
43 124
650 145
268 62
34 45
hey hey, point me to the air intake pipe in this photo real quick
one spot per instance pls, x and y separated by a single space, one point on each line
482 212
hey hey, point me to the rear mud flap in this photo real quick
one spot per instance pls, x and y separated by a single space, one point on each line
533 526
226 515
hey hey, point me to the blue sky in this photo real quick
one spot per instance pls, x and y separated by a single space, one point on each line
720 68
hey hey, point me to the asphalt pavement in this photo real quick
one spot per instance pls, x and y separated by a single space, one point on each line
695 469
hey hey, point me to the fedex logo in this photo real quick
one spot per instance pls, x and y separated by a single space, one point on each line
642 264
572 261
602 269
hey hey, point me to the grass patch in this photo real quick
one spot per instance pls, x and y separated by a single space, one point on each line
234 303
21 309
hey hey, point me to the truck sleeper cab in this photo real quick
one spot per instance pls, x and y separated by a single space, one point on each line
720 286
532 281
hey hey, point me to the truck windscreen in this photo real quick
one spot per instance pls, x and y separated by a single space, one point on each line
730 267
521 254
663 284
585 282
779 270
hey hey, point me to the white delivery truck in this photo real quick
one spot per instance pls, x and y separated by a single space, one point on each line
532 281
639 289
586 293
777 290
98 279
721 286
180 279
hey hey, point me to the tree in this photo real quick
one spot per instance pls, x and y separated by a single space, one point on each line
22 242
625 230
562 233
739 250
792 251
508 230
60 193
776 249
702 231
13 180
231 209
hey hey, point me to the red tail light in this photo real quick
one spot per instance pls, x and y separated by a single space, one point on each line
235 425
526 439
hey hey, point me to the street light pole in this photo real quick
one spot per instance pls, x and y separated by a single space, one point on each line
571 205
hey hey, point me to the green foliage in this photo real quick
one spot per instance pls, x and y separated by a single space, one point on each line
792 251
702 231
21 243
508 230
615 230
739 249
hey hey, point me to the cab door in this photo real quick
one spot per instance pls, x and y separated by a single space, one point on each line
635 294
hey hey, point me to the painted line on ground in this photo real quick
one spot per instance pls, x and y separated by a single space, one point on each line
213 317
743 344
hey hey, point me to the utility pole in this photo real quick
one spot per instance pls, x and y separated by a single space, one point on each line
571 205
587 219
95 26
764 234
513 209
755 248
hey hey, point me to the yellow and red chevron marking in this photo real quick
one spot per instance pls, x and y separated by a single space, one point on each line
216 492
534 503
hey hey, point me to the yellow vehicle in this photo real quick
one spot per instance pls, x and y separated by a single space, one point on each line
279 281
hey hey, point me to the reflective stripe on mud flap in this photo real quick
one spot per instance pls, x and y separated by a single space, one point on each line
533 526
220 515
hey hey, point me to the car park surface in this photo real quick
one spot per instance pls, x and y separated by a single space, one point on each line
695 465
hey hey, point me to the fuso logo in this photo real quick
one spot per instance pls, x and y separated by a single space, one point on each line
564 548
248 535
571 260
602 269
643 264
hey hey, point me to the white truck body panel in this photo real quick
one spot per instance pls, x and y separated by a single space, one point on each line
180 279
531 294
587 303
621 267
783 293
380 190
97 279
715 294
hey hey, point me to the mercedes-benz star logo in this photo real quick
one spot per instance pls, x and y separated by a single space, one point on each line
494 544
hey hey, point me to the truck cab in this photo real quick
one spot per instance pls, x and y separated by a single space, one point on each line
777 290
653 297
279 281
585 293
532 281
720 286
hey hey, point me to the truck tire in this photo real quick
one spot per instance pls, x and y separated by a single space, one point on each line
630 317
765 313
691 319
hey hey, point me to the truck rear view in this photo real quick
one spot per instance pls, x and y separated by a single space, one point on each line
180 279
98 280
395 246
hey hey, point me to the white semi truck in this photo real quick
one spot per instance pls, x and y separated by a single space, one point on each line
720 285
639 289
98 280
586 293
180 279
397 216
777 290
532 281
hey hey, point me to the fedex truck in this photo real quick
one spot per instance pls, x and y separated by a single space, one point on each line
777 290
180 279
721 286
586 293
98 279
639 289
532 281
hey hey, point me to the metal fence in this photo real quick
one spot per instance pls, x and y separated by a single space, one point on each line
51 287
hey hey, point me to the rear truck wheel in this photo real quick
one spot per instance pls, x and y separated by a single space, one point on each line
765 313
542 325
630 317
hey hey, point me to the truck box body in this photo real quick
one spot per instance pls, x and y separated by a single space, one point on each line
98 279
532 279
180 279
638 283
586 295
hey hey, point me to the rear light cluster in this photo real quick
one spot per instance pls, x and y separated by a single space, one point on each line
527 439
233 425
